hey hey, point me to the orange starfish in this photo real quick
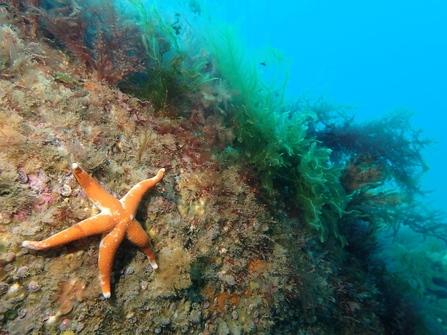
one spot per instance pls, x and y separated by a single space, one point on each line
115 222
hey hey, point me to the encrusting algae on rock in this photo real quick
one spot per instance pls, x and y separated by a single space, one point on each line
233 258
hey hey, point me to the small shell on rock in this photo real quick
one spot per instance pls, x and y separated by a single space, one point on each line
22 313
234 315
23 177
3 288
23 271
5 218
144 284
65 324
33 286
46 315
65 190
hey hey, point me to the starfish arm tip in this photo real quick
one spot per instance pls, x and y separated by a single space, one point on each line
154 265
106 295
74 165
29 245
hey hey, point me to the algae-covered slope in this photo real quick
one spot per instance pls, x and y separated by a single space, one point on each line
250 190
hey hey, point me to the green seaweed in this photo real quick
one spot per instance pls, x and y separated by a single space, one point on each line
274 140
232 63
171 73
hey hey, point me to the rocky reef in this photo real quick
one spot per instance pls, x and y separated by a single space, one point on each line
239 251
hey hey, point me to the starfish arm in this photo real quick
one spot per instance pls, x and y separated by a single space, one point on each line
100 197
95 225
132 199
138 236
107 250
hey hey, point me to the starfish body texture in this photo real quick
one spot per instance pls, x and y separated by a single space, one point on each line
115 221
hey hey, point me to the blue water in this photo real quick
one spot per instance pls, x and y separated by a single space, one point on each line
373 55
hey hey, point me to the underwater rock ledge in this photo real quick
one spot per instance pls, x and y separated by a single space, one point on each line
233 259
